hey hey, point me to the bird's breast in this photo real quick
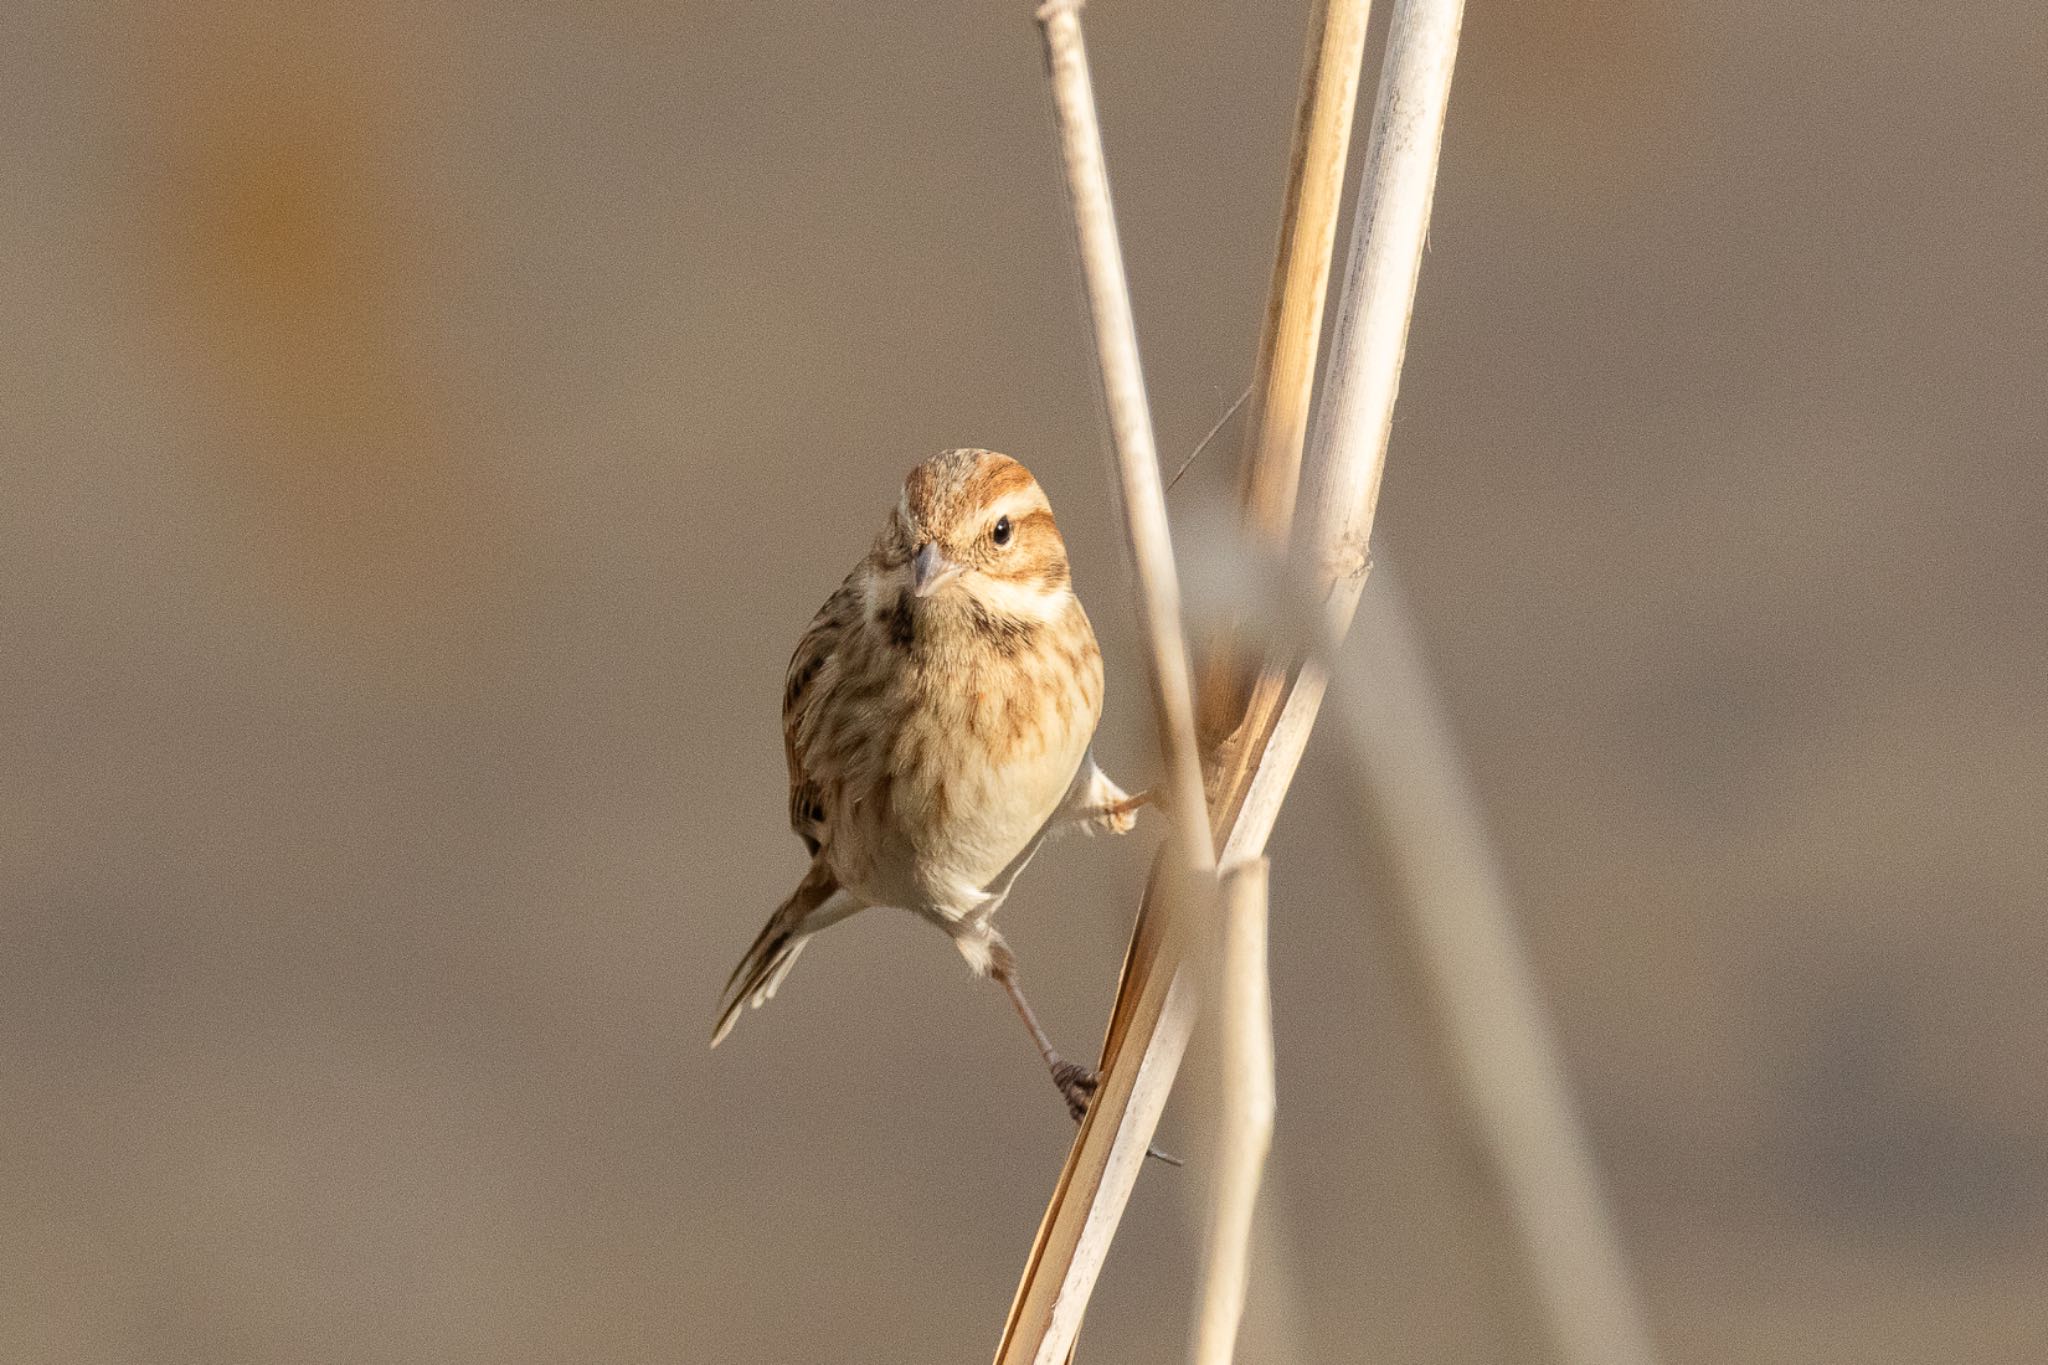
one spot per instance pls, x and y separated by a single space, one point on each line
989 742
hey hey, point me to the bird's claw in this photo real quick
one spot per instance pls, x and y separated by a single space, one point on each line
1078 1084
1117 817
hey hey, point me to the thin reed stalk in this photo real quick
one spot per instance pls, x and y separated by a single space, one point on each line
1142 493
1244 1043
1074 1238
1348 443
1486 1019
1284 368
1149 1024
1269 473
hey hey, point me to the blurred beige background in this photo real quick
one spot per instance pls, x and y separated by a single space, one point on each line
427 428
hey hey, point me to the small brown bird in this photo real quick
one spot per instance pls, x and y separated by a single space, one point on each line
937 718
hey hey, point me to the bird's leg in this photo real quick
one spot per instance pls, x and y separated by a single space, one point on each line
1076 1083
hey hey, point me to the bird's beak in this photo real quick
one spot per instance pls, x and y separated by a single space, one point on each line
931 570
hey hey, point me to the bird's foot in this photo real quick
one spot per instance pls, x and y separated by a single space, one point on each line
1078 1084
1118 815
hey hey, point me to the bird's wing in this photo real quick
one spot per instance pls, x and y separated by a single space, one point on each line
809 681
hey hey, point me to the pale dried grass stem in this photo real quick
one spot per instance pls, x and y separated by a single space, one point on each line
1095 1186
1348 442
1149 1024
1244 1042
1284 367
1486 1016
1141 491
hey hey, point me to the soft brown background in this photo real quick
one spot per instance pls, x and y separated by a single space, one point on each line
427 428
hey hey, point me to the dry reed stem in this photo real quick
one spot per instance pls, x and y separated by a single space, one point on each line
1269 475
1141 491
1094 1187
1284 368
1244 1040
1487 1020
1348 444
1148 1024
1102 1167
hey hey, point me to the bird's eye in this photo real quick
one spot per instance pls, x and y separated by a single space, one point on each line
1001 534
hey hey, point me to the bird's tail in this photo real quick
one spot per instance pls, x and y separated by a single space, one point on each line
817 903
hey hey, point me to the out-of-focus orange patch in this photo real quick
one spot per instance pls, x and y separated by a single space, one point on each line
296 257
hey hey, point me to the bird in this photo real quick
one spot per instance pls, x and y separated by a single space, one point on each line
938 718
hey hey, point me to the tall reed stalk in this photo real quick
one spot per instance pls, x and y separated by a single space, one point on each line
1225 782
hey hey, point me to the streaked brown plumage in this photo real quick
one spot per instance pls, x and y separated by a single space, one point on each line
936 718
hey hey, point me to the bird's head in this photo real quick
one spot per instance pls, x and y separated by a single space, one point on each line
975 522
